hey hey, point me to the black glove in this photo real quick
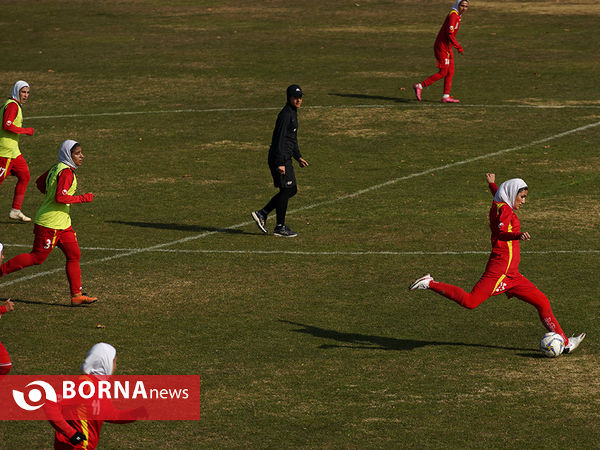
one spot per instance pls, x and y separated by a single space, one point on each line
77 438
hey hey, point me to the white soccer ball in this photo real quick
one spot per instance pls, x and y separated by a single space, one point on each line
552 345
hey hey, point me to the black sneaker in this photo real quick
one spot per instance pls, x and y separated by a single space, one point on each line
260 220
283 231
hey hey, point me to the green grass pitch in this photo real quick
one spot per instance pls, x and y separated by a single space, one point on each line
313 342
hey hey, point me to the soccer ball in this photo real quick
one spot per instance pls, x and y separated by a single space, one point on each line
552 345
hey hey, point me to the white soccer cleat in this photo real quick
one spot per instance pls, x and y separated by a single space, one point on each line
574 342
421 283
16 214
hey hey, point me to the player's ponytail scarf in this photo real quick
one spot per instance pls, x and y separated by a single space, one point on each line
99 360
64 153
17 88
507 192
457 4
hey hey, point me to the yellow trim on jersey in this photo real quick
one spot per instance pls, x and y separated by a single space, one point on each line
510 248
86 432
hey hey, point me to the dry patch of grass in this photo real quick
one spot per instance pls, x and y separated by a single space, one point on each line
532 101
230 145
580 215
556 8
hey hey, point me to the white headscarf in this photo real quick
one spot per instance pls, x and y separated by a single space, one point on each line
99 360
1 248
64 153
457 4
17 88
507 192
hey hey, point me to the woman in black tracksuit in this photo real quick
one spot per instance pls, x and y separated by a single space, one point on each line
284 147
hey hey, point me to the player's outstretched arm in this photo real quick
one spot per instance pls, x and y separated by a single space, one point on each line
491 179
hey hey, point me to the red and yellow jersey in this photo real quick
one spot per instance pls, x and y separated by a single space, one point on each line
68 418
505 228
446 38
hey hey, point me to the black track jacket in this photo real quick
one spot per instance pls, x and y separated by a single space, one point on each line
284 143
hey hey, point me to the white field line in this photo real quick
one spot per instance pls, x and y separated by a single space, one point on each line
274 108
315 205
156 248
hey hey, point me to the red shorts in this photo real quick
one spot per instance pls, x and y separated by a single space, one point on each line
12 166
495 284
443 56
47 238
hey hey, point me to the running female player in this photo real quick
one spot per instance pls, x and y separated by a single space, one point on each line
501 274
11 159
53 222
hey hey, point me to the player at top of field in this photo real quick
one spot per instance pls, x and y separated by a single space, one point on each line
74 427
11 159
502 274
443 50
53 221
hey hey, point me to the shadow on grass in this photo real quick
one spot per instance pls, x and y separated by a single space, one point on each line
371 342
179 227
39 302
372 97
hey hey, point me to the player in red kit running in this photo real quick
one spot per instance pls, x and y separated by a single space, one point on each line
5 364
53 221
11 159
445 41
501 274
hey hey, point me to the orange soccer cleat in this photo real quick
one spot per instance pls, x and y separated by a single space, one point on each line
82 299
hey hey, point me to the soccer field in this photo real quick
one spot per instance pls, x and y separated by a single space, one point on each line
313 342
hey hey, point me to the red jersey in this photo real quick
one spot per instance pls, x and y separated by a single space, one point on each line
446 38
64 417
505 228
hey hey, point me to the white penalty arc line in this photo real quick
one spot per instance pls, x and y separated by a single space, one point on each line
275 108
315 205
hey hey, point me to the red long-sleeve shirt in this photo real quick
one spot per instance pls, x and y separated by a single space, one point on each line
446 38
505 228
10 114
63 184
66 418
67 427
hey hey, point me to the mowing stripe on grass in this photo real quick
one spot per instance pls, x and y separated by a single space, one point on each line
275 108
315 205
325 253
